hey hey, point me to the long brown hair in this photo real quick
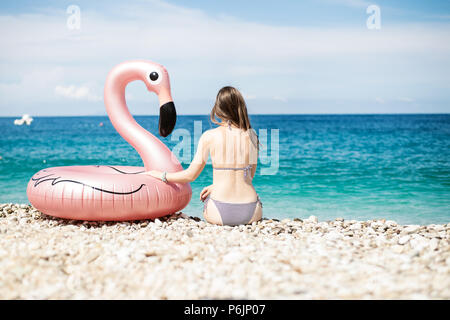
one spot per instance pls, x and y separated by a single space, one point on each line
230 107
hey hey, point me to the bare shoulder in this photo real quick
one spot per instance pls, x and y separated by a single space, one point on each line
215 130
211 133
208 136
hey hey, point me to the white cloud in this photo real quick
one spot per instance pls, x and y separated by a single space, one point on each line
33 83
352 3
248 96
175 31
278 98
204 52
439 16
405 99
379 100
78 93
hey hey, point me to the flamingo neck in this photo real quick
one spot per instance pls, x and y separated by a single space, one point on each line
154 153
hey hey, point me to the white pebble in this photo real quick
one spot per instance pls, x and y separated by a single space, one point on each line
312 219
403 240
411 229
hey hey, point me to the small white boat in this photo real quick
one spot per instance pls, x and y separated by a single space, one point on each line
25 119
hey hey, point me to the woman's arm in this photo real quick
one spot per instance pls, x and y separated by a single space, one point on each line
194 169
253 170
254 150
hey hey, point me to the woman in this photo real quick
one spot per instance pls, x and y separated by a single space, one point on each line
233 147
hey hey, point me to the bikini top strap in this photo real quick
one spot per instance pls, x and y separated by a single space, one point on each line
246 169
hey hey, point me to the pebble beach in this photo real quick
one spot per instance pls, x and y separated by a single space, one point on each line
182 257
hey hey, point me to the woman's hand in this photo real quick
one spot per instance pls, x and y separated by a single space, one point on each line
205 192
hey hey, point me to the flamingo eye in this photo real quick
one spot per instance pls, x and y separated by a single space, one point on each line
155 78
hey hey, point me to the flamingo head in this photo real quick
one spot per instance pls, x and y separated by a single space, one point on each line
156 79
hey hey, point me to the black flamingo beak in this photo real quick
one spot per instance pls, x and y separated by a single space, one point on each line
167 118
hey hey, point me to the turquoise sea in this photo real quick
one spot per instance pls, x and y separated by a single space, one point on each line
353 166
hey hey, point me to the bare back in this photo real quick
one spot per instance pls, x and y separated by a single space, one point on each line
231 147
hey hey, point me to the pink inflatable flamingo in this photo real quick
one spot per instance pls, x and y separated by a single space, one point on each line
119 192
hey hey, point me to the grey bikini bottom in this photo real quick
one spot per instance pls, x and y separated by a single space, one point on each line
234 214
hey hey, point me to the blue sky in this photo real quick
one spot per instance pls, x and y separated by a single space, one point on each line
285 56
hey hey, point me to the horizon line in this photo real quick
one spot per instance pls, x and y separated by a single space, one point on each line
254 114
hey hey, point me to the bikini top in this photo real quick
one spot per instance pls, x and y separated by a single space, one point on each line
246 169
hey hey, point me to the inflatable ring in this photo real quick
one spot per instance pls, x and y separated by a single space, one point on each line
114 193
